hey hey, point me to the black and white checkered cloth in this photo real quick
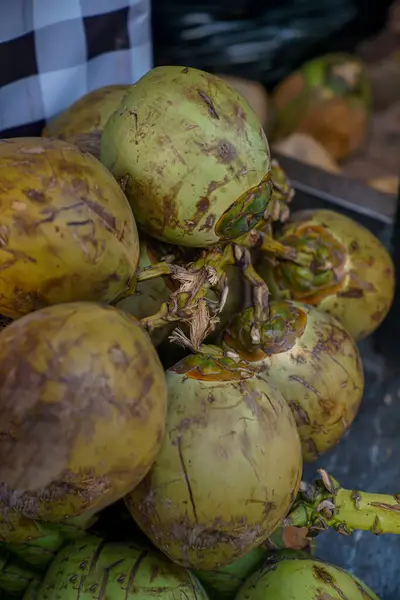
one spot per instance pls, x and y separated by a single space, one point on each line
52 52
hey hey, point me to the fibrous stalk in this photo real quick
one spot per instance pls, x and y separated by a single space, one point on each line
189 303
326 504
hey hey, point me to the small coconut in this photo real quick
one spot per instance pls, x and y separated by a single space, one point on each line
83 122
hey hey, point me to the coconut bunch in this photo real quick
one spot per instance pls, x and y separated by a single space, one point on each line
176 340
124 571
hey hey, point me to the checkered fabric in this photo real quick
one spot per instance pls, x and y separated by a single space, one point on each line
52 52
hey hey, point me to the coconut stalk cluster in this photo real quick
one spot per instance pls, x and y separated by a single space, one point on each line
176 343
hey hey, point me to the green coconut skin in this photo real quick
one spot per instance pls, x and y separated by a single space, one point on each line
314 362
94 569
38 552
31 592
191 155
14 576
229 468
359 290
224 583
300 579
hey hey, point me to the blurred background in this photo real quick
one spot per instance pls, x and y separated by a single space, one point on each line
324 77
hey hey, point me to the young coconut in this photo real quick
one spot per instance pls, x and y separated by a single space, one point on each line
193 159
350 274
223 583
214 491
14 576
94 568
67 231
83 406
39 551
192 155
31 591
83 122
312 360
303 578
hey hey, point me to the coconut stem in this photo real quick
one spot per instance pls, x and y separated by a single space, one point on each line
281 196
263 242
327 505
260 289
189 304
157 270
290 538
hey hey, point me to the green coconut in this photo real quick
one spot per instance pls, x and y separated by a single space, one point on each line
351 275
229 468
38 551
302 578
223 583
328 98
191 155
94 569
31 592
313 361
83 406
14 576
83 122
67 231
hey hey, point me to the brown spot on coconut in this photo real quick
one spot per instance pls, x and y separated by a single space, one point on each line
204 517
313 361
282 578
83 405
67 230
179 131
351 278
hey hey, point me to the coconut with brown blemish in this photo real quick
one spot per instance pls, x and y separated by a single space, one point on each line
349 273
229 468
313 361
67 232
303 578
83 409
193 155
